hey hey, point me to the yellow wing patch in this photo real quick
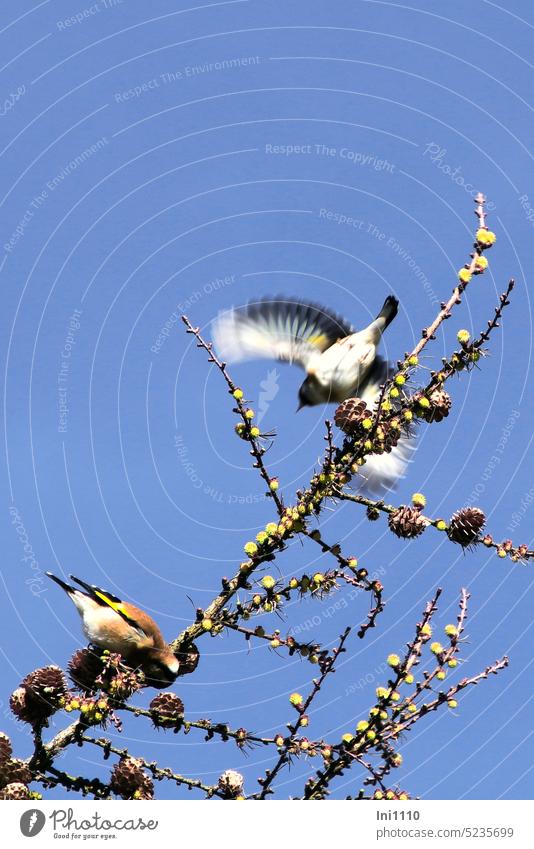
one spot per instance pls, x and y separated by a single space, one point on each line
115 605
319 340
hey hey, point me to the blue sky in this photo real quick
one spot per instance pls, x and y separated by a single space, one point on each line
186 159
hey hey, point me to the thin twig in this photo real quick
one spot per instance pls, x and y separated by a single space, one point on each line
285 756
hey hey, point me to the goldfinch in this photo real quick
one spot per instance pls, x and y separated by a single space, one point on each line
339 361
116 625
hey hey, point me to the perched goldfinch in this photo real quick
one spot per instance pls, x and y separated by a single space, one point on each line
116 625
339 362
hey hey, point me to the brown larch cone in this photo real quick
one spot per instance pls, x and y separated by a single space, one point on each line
6 749
440 404
350 414
231 784
167 710
15 791
15 770
130 781
84 667
407 522
188 660
45 689
25 709
386 436
466 525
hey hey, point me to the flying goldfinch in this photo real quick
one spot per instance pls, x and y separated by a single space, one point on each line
118 626
339 361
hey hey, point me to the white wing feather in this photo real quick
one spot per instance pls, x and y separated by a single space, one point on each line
382 472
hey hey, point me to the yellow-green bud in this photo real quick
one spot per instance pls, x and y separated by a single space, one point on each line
238 394
250 548
418 499
463 336
268 582
393 660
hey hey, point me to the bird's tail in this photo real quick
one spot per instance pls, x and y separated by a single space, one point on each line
90 590
389 310
67 587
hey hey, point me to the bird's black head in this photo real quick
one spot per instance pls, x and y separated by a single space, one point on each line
310 393
303 400
160 667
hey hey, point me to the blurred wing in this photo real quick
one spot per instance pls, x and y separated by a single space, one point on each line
280 329
382 471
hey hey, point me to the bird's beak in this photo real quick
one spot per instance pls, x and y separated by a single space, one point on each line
300 406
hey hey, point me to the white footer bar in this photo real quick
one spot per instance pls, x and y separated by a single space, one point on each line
285 824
